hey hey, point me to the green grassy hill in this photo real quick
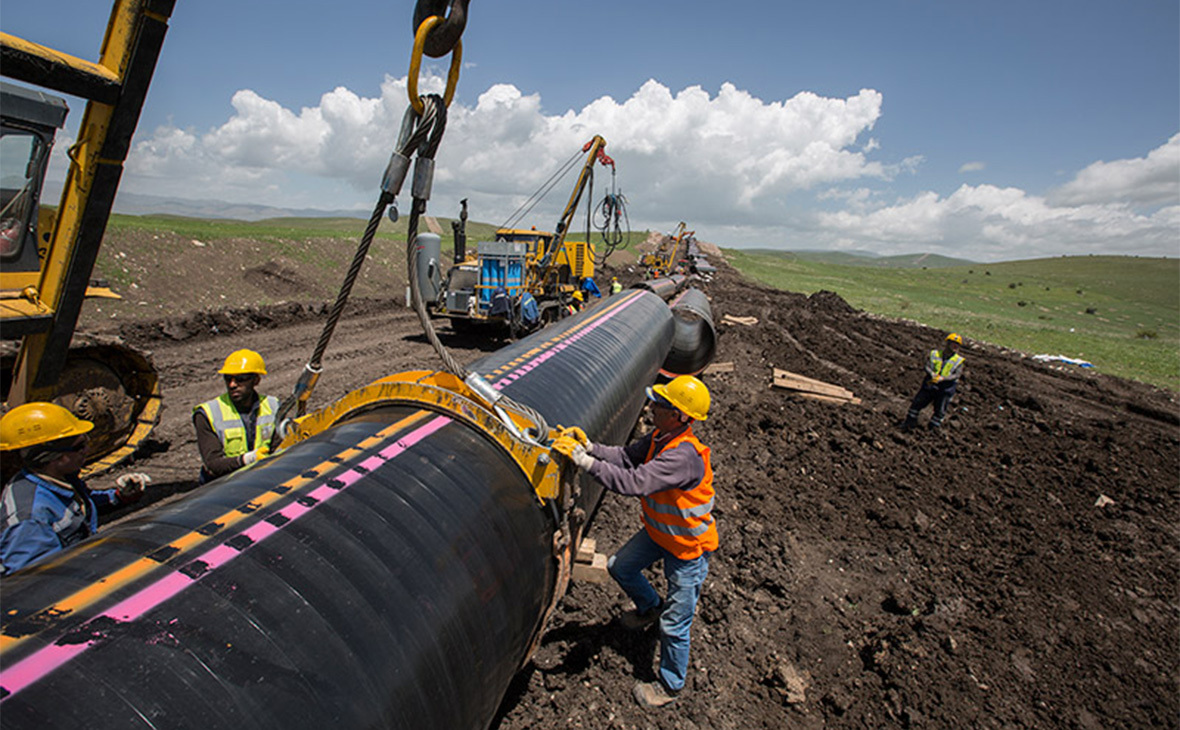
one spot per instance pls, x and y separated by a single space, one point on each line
1121 313
903 261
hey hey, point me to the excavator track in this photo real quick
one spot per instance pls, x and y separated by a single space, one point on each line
109 384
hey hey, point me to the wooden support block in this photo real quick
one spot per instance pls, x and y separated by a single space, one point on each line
718 367
592 572
586 551
731 319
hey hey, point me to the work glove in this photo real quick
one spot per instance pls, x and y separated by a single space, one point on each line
257 454
130 487
575 433
574 451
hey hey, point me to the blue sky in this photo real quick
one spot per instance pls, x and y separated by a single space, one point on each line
987 131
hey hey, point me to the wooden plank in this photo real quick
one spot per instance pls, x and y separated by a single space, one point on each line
810 387
593 572
586 550
795 381
718 367
796 376
828 398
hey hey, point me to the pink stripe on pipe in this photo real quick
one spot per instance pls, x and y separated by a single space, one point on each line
37 665
563 344
29 670
139 603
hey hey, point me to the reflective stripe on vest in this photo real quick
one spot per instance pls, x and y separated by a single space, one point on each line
943 369
228 425
681 520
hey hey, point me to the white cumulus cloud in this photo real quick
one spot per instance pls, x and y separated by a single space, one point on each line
795 173
1150 180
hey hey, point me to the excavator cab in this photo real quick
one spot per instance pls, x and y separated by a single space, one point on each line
29 120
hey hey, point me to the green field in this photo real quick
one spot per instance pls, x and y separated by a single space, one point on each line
1121 313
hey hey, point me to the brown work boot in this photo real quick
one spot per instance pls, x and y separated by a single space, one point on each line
653 694
633 620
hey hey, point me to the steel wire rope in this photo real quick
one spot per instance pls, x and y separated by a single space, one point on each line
410 137
545 188
436 110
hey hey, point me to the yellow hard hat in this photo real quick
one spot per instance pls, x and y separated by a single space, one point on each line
578 295
39 423
689 395
241 362
954 337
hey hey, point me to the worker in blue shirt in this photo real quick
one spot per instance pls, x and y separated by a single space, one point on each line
46 507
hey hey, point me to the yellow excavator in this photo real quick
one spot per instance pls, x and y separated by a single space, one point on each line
47 256
521 279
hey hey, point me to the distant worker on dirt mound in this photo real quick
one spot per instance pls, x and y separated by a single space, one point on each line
942 377
234 429
47 507
670 469
615 286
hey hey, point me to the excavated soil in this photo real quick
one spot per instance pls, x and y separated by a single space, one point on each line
1018 569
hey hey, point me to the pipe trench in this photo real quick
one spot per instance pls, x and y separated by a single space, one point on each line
391 571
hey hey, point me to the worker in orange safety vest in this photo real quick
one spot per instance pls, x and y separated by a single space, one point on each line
669 469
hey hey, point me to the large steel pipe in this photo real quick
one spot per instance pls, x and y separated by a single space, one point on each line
665 287
694 340
391 571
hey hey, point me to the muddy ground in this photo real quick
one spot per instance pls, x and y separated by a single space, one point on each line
866 577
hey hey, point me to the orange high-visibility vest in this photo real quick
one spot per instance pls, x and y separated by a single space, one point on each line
681 520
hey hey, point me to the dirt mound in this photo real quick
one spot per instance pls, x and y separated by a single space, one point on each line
1017 569
276 280
212 323
870 578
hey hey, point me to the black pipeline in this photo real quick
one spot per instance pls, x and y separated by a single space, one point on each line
392 571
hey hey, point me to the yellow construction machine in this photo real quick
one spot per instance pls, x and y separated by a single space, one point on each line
520 280
48 256
662 262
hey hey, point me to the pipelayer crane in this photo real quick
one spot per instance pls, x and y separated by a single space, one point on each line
662 261
496 283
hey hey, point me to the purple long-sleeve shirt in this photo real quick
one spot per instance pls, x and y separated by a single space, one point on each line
622 469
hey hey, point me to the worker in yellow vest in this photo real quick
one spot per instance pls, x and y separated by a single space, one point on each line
615 286
938 386
670 470
234 429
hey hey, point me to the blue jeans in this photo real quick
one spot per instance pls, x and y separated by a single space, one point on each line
685 578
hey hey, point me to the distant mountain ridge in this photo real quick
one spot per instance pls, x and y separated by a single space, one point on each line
868 258
137 204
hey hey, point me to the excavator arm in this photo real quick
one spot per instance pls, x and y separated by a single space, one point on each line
595 149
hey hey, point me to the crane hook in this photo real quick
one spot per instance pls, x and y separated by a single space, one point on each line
442 38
